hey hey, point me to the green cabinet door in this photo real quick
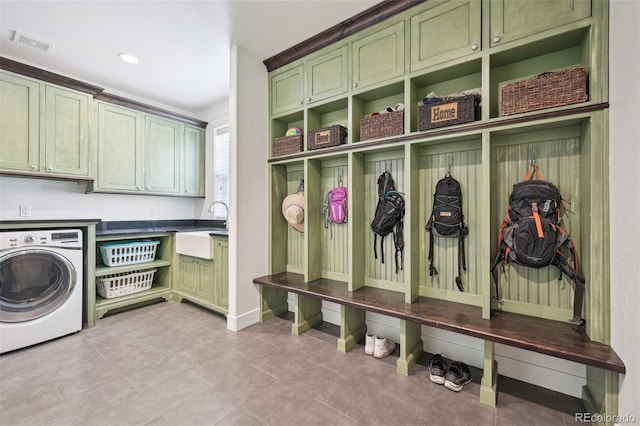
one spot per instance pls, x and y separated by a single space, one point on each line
188 274
206 280
327 75
222 271
120 148
162 173
378 56
512 20
66 132
447 31
287 90
193 161
20 128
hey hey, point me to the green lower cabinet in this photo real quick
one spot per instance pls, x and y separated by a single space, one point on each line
206 281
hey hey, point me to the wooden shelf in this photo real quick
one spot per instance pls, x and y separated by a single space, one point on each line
544 336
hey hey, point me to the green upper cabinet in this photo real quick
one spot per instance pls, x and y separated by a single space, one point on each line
379 56
193 161
66 132
162 171
43 138
327 75
20 118
448 30
512 20
287 90
120 148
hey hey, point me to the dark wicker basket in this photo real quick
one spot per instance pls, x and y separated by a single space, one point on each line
287 145
326 137
449 111
382 126
546 90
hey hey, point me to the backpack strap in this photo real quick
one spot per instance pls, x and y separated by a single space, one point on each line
432 269
532 169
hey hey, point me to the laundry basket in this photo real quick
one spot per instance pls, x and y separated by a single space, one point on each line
128 252
124 283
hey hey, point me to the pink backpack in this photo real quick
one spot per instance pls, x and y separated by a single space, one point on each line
335 206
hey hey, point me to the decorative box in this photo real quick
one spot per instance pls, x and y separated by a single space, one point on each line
547 90
449 111
326 137
287 145
382 125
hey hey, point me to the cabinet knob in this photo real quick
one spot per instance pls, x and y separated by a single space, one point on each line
147 188
308 99
49 169
300 103
355 85
496 39
138 188
474 47
34 167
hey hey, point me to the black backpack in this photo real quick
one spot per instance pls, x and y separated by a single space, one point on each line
389 214
532 235
447 220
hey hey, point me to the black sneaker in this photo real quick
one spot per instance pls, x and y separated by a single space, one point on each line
457 375
437 369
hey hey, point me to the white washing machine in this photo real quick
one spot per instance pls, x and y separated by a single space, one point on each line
41 286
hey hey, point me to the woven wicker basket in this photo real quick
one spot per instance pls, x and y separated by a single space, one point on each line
546 90
326 137
287 145
382 126
448 111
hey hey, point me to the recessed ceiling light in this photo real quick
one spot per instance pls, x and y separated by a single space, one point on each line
128 58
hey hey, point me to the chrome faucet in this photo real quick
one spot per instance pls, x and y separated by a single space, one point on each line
226 222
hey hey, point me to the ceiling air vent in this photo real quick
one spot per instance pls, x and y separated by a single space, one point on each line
27 40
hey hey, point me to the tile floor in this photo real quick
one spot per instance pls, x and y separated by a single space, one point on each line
177 364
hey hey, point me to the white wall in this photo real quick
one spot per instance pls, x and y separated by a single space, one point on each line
624 165
248 236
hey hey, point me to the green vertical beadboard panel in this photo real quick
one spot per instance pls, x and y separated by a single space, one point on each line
378 274
464 160
485 232
357 226
334 238
278 228
414 257
312 219
295 239
557 153
352 328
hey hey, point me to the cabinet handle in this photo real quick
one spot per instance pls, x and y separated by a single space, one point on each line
147 188
355 85
308 99
34 167
474 46
49 169
138 188
300 103
496 39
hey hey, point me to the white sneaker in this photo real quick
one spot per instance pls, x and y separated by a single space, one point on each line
383 347
369 343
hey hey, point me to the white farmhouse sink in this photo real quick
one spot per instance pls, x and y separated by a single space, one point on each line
195 243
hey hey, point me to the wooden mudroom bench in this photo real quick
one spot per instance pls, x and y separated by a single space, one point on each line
553 338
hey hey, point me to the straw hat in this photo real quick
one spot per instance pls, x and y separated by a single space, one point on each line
293 210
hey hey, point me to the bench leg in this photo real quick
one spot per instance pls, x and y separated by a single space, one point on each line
273 302
308 313
600 395
352 328
410 346
488 387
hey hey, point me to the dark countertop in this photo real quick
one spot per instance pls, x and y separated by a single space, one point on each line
216 227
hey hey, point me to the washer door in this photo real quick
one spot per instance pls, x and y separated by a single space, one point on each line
34 282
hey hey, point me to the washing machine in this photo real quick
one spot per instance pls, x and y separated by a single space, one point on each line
41 286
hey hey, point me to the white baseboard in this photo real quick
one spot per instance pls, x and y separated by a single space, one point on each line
237 323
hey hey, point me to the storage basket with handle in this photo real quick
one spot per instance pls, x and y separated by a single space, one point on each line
124 283
128 252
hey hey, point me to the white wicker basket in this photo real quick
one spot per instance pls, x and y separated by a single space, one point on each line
128 252
125 283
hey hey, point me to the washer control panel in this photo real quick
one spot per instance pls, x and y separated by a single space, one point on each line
57 238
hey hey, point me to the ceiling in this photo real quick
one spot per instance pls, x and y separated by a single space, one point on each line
182 46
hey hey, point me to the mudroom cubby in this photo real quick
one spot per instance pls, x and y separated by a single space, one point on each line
488 156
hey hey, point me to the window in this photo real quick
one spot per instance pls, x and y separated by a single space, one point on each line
220 169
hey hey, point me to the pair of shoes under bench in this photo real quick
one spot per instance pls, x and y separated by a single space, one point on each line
378 346
453 376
